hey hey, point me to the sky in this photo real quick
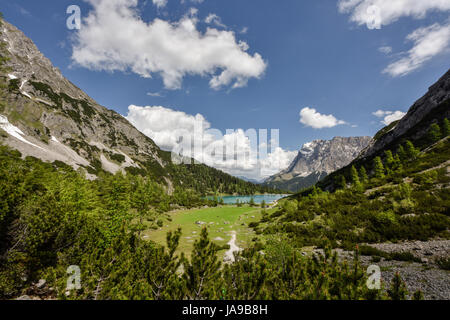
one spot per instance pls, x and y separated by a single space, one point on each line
310 69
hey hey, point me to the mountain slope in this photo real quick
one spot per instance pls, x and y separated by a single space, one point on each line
316 160
44 115
430 109
414 125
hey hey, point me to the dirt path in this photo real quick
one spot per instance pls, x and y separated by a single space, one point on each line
229 255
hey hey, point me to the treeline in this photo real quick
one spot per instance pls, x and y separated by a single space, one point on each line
210 181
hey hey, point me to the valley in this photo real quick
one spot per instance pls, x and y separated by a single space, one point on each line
81 186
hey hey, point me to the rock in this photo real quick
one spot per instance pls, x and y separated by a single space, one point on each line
200 223
24 297
41 283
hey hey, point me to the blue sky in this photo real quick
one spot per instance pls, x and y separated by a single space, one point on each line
314 54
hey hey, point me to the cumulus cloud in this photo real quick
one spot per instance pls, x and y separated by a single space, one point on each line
311 118
235 152
113 37
428 43
389 116
378 13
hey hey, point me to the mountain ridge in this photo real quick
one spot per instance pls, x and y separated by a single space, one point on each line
316 160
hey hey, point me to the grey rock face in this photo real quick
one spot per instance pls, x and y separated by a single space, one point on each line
322 157
437 94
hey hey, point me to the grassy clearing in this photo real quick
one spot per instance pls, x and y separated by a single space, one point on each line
220 222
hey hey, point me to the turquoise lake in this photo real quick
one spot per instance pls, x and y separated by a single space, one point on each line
268 198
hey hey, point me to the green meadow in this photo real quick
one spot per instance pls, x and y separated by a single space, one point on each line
220 221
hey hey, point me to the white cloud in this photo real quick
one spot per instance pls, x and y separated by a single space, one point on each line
192 136
428 43
113 37
385 49
311 118
213 18
376 13
160 3
276 161
193 1
154 94
389 116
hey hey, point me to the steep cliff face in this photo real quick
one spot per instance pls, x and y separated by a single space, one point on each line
317 159
432 107
54 120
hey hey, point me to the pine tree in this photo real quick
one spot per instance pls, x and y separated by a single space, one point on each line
202 270
445 128
378 168
341 183
252 202
389 158
434 133
355 177
398 289
397 165
410 150
401 153
263 204
363 174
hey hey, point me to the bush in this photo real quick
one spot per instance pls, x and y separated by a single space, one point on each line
404 256
443 263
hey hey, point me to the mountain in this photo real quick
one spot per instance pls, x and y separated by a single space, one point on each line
44 115
433 106
430 109
249 180
316 160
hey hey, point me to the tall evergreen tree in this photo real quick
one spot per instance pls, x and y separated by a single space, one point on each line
378 168
434 133
410 150
363 174
401 153
341 183
389 158
445 128
355 176
397 165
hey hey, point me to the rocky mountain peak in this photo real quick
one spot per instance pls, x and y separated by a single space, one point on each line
317 159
